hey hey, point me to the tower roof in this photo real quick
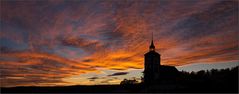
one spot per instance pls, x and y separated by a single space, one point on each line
152 47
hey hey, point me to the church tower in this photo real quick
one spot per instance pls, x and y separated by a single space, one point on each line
151 64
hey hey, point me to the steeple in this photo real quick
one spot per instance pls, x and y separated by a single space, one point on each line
152 47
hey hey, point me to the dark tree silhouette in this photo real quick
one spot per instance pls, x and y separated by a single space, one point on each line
128 82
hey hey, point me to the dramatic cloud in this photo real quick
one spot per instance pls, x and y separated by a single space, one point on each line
55 42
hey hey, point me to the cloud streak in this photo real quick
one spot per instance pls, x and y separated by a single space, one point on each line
118 73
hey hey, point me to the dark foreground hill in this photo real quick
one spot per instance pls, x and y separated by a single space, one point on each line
216 81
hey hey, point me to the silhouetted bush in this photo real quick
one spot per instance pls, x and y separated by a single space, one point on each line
223 80
128 82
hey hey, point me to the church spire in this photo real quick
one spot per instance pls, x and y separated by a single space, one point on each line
152 47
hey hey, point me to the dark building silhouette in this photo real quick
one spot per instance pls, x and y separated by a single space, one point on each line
151 64
154 72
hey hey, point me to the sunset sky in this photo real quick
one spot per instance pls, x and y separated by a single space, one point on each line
90 42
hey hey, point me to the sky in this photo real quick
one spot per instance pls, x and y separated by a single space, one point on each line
91 42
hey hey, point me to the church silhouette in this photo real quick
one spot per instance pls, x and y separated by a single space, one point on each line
154 72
